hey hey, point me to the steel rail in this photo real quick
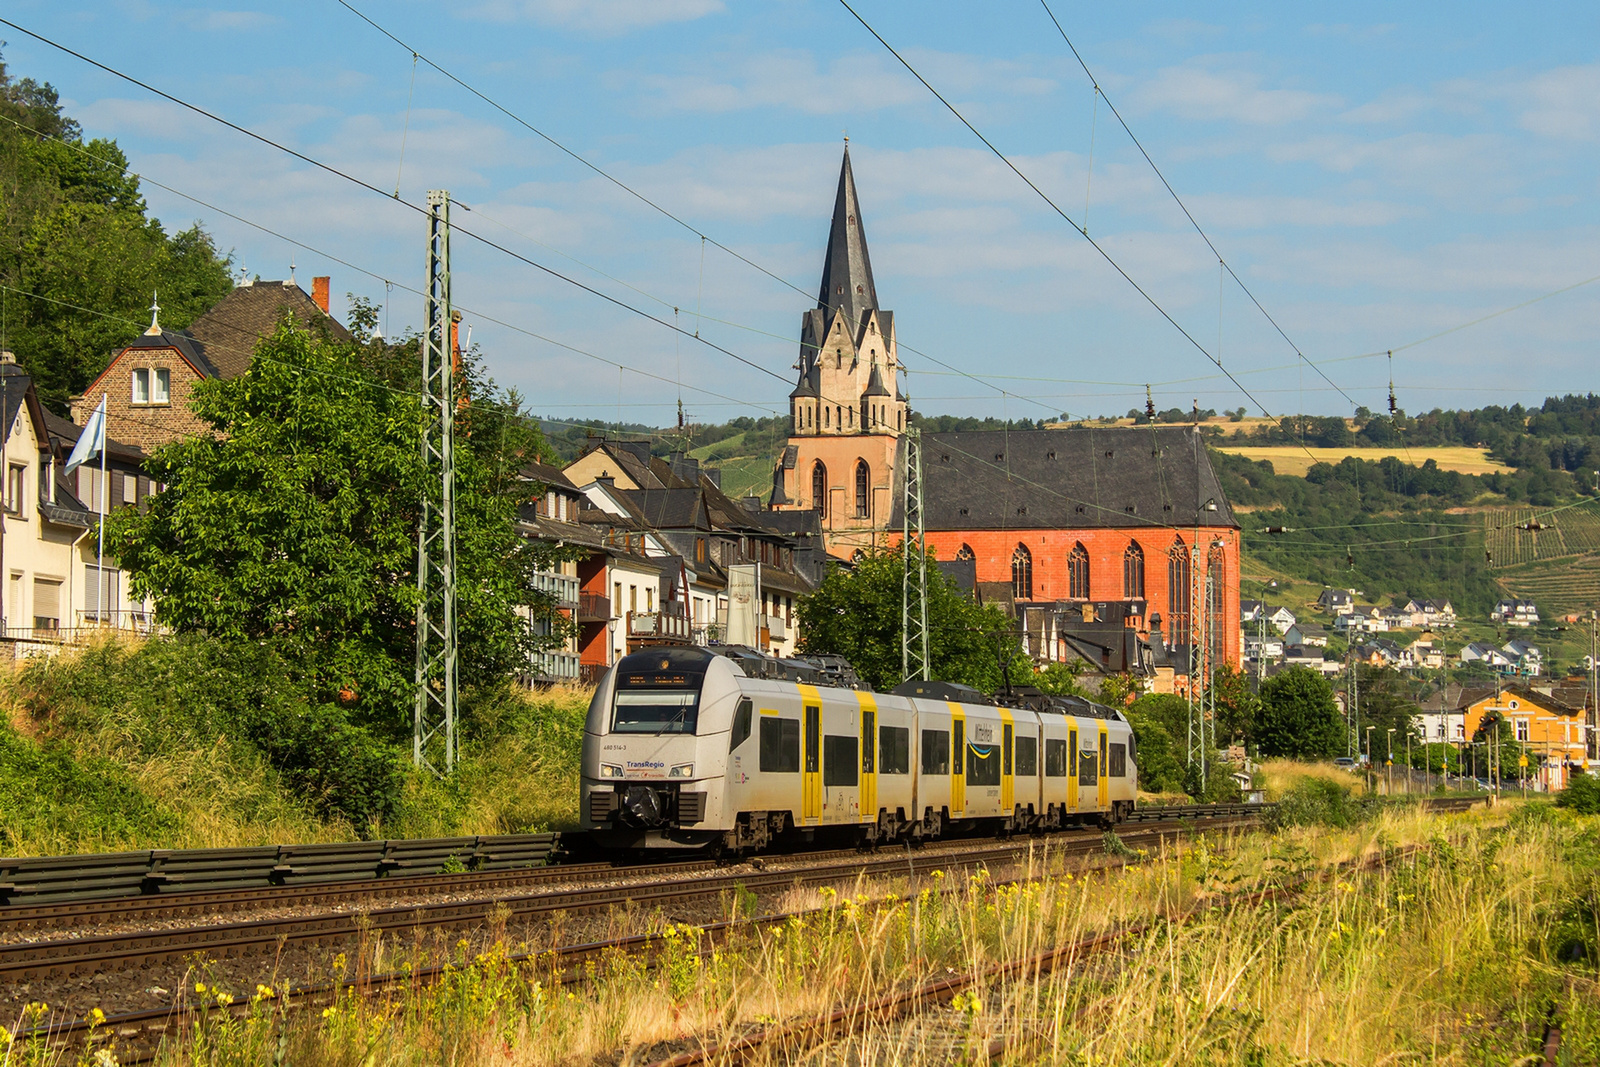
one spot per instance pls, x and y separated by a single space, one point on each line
75 956
796 1037
565 958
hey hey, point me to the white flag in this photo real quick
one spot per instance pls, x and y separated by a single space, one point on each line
91 440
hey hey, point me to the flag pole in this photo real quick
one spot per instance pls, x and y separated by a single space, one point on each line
104 488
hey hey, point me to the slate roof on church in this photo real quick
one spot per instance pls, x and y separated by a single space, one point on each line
1122 477
846 267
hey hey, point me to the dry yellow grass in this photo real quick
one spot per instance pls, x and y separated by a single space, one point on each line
1292 459
1280 774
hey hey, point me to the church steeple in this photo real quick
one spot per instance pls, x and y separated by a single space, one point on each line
846 269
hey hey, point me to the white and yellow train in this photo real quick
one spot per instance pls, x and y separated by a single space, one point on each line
687 748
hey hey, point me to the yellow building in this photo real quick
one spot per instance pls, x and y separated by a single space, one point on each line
1554 726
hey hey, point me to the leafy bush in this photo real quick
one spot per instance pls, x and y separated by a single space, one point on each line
48 794
196 693
1582 794
1319 802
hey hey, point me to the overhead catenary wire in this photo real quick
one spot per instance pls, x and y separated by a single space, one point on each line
1151 300
1221 262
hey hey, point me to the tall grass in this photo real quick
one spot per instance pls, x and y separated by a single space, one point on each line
185 744
1457 956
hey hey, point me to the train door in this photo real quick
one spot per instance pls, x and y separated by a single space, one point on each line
811 756
958 761
1104 799
869 757
1008 738
1072 766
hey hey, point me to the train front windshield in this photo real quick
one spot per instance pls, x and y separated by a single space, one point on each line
656 712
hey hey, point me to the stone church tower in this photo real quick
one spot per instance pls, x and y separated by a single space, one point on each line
847 412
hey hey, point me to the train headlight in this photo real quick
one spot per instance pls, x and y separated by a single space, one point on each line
610 770
682 770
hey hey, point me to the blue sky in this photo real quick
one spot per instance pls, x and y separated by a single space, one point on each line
1374 181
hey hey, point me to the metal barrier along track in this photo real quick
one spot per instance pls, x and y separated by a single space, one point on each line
109 876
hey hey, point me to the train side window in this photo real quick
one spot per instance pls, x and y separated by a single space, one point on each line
1088 768
1055 758
894 750
958 745
813 738
869 727
839 755
935 752
780 745
1072 751
983 765
1005 749
1119 761
1027 757
741 725
1104 756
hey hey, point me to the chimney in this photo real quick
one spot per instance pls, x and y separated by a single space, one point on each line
319 291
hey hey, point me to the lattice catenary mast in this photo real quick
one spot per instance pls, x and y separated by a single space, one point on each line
914 583
434 719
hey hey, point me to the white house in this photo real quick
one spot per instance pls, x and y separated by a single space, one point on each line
1281 619
1513 612
1482 652
1525 657
1306 633
1337 601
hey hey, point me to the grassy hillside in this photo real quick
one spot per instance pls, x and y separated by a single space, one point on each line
102 750
745 461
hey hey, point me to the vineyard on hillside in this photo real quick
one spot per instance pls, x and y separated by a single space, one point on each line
1557 567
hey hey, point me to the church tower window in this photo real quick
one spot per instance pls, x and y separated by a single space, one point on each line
1022 573
819 488
863 490
965 553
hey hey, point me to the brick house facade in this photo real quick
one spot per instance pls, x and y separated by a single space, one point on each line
149 383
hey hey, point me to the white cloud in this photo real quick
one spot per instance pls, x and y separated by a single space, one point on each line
1565 103
1194 92
600 17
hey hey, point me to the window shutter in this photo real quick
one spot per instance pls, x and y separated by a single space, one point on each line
46 601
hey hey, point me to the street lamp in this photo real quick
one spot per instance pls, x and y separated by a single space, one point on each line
1388 763
1370 772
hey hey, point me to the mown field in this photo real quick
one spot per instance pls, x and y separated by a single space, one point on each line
743 472
1291 459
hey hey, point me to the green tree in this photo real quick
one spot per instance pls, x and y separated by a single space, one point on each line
1385 705
77 249
1237 705
296 523
1298 717
855 613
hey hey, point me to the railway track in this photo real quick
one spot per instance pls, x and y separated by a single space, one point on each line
566 964
67 957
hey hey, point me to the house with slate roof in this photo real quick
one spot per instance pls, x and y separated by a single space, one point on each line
147 384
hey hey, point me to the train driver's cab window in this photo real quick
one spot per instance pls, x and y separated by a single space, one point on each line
839 760
659 712
741 725
894 750
935 752
1027 757
780 745
1055 757
1119 761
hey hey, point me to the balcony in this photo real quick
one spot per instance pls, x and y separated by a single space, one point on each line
649 626
592 607
774 625
562 588
554 666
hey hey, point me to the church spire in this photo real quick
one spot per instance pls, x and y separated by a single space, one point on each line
846 270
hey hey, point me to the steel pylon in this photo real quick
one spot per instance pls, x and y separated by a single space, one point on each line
434 718
914 661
